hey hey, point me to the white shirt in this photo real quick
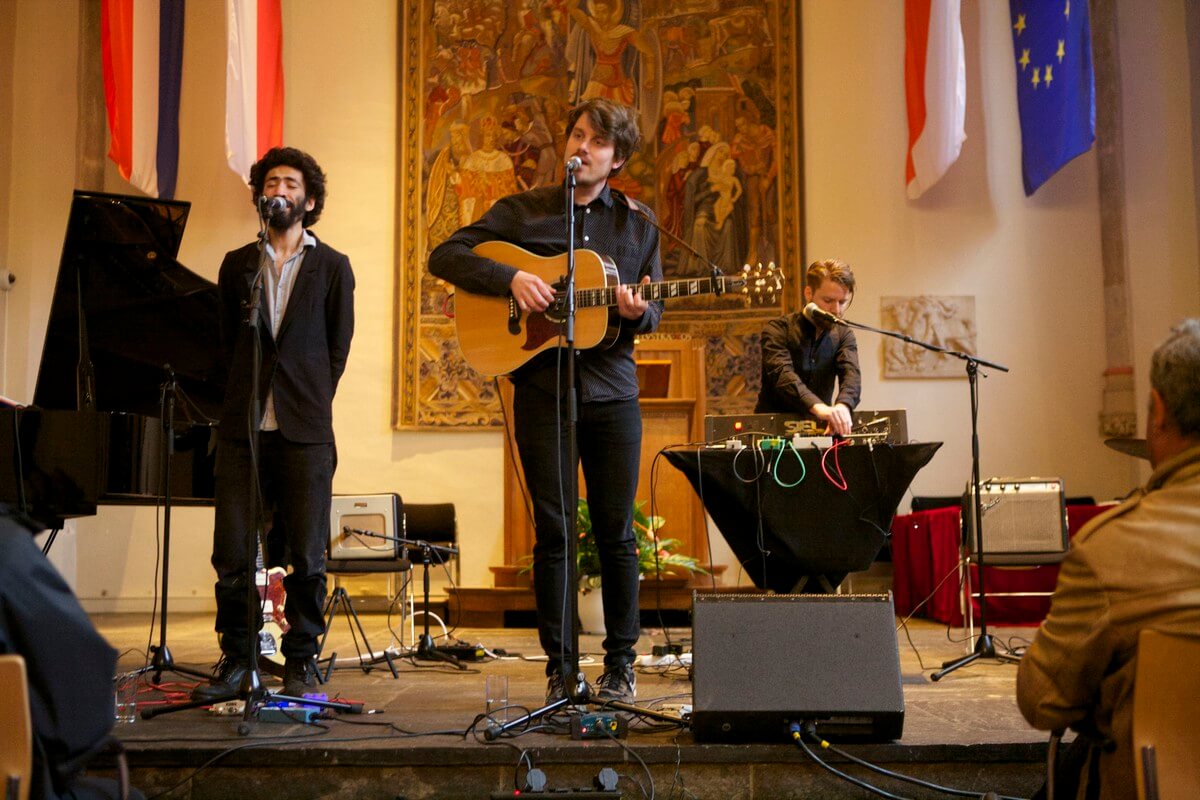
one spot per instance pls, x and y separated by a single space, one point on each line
280 279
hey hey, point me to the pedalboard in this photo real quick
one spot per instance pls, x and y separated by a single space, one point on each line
598 726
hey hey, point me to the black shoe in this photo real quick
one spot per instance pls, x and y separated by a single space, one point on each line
299 677
617 684
225 682
555 688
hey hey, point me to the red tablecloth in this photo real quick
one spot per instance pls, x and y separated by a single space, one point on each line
925 550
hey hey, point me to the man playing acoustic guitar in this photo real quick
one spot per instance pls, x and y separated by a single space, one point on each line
602 135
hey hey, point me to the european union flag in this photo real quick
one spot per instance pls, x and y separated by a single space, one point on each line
1056 92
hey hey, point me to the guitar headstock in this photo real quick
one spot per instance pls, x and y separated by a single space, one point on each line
761 285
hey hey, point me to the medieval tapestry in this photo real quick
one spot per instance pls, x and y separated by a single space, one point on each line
486 86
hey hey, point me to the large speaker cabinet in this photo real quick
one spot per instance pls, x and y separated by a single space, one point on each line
764 661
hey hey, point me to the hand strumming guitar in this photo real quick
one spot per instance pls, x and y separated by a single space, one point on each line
531 292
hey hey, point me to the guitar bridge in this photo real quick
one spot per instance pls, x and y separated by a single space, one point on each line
514 316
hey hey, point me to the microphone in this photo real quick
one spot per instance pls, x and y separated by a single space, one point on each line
574 163
270 205
814 313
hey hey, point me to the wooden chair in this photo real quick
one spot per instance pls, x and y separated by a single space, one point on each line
1166 700
16 734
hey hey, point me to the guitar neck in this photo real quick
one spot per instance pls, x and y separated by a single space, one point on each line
660 290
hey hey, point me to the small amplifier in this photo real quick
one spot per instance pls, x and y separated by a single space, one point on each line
1024 520
353 518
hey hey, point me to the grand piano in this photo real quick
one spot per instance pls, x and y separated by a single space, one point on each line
125 316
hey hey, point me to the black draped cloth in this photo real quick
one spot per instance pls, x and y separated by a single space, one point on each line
788 538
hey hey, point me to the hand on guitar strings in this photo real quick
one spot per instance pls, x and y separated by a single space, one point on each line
631 304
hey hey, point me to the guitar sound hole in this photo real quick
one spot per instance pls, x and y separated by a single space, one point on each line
556 312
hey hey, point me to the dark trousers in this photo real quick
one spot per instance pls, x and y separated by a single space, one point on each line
297 490
609 437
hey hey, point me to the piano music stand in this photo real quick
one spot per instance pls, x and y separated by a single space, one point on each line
162 660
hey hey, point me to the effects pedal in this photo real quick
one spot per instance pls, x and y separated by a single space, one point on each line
464 652
667 650
598 726
299 715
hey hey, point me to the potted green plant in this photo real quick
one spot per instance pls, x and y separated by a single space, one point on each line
587 560
644 527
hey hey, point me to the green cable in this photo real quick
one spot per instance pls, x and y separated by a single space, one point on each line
778 458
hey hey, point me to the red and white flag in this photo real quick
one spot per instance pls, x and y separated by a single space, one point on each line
935 83
253 82
141 46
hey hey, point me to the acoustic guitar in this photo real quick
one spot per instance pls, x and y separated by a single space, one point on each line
496 337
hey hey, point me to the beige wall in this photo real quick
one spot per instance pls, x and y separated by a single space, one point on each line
1032 264
1160 180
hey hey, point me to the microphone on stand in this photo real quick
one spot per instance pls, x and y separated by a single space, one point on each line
271 205
814 314
574 163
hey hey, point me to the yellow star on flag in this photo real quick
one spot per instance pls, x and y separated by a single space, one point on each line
1062 50
1024 59
1020 26
1049 75
1036 77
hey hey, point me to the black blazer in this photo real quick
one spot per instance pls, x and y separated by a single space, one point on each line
304 364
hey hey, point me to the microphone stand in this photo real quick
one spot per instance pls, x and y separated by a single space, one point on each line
985 645
426 649
251 690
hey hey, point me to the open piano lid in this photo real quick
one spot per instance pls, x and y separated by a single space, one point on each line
142 310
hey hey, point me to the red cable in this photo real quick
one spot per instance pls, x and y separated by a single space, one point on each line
840 480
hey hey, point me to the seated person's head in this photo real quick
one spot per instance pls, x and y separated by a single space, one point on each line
1173 420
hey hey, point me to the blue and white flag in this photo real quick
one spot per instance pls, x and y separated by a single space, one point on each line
1056 91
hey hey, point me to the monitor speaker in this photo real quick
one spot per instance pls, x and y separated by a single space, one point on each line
1024 520
761 662
353 517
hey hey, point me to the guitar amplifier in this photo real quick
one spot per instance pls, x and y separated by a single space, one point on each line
353 517
869 426
1024 520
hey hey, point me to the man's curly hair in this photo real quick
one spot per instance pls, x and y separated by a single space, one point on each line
314 177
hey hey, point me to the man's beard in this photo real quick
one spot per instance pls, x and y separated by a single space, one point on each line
282 220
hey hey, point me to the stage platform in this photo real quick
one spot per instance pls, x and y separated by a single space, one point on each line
964 731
